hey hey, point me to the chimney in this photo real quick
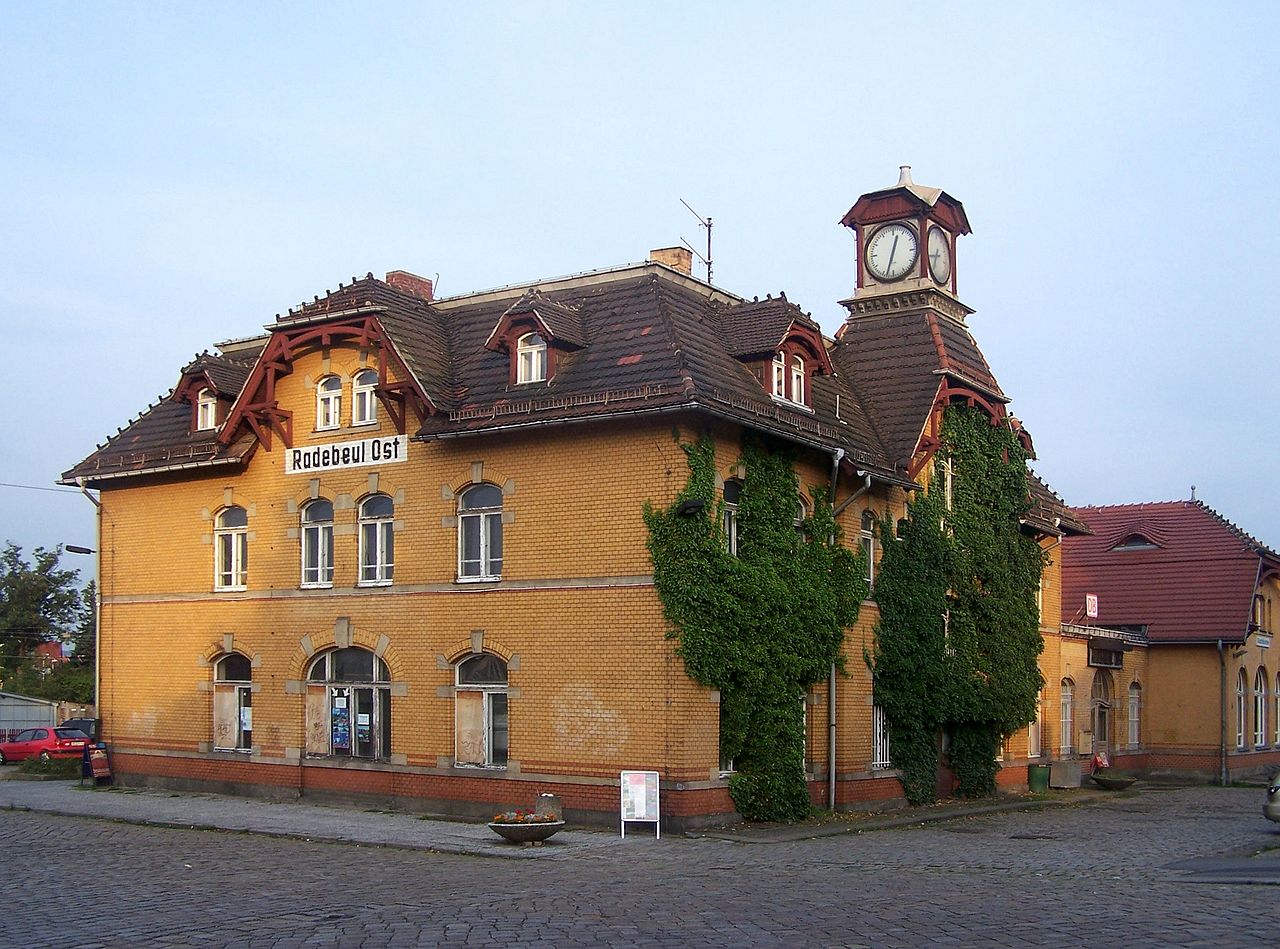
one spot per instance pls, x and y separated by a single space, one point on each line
410 283
677 258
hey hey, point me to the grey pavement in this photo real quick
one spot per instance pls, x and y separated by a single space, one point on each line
374 827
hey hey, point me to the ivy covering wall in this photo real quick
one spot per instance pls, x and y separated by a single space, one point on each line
959 634
762 627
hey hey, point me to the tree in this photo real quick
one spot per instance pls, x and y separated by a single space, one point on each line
85 637
39 602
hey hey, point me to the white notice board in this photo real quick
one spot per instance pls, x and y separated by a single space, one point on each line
639 799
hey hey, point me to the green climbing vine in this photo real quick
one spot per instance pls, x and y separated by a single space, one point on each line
762 626
958 636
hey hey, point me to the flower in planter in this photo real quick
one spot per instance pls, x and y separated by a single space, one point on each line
524 817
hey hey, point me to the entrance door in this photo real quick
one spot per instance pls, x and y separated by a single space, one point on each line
1101 717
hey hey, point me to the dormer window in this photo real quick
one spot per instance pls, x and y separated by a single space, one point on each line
779 376
328 403
1135 542
531 358
206 411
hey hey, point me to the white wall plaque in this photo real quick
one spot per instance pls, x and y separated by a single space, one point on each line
361 453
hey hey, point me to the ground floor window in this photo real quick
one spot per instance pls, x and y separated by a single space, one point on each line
1066 718
233 703
481 719
349 705
1035 729
879 739
1135 714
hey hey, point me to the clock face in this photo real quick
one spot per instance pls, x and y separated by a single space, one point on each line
892 251
939 249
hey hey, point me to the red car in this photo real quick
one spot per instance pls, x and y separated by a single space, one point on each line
44 743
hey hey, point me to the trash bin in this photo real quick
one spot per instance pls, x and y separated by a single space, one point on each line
1038 777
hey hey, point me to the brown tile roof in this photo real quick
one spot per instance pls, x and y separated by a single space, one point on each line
651 340
897 362
1195 585
1049 513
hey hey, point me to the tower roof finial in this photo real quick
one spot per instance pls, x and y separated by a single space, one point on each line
904 175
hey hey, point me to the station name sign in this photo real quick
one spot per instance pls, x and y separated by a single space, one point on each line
356 454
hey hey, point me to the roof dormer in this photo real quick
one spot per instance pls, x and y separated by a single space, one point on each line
209 384
781 345
533 331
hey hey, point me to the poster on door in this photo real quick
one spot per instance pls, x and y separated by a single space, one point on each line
341 726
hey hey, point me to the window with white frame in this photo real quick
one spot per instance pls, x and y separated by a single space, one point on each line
802 513
798 381
1135 715
732 493
868 543
879 739
348 711
206 410
317 543
779 376
233 703
480 533
364 403
1241 710
1035 730
231 548
531 358
1066 718
329 402
480 702
377 540
1260 696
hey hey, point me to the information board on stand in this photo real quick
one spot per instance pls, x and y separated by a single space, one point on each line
639 799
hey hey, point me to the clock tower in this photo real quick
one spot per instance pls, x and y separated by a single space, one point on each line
906 238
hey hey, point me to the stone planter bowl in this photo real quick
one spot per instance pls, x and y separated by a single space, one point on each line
1112 780
527 834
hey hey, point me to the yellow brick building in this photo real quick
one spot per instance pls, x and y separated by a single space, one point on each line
394 549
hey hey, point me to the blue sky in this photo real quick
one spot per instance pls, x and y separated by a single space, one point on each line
174 175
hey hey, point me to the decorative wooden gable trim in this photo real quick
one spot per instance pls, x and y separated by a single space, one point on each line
952 392
257 408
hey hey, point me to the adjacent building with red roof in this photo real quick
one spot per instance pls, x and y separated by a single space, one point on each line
1202 593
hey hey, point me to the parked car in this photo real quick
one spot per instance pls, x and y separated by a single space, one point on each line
1271 809
87 725
45 744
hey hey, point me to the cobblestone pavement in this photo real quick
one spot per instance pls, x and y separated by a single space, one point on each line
1182 867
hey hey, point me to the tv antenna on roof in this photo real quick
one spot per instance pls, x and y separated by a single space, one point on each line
706 261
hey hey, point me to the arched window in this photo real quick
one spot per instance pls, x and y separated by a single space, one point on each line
480 533
531 358
1241 710
231 548
364 404
798 381
1260 697
377 540
868 542
206 411
317 543
1135 715
233 703
802 512
1066 718
349 705
329 402
732 492
481 712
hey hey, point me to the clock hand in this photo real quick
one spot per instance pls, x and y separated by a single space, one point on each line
888 268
